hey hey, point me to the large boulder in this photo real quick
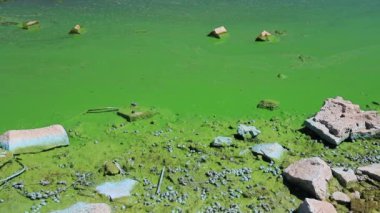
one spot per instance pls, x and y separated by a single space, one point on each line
344 176
41 138
115 190
81 207
311 175
316 206
340 119
273 151
373 171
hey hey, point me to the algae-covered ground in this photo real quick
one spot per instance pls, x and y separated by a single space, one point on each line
196 175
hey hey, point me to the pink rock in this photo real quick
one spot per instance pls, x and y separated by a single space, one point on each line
373 171
316 206
344 176
339 120
340 197
47 137
311 175
81 207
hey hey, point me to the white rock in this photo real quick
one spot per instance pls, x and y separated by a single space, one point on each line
373 171
117 189
47 137
272 151
81 207
340 197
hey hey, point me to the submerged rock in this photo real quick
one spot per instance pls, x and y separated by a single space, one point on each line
316 206
268 104
41 138
340 197
119 189
29 24
339 120
373 171
221 141
245 131
344 176
82 207
217 32
311 175
273 151
75 30
136 113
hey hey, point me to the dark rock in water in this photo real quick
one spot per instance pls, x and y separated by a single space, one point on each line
27 25
75 30
273 151
217 32
316 206
245 131
110 168
311 174
8 23
373 171
344 176
268 104
339 120
81 207
221 141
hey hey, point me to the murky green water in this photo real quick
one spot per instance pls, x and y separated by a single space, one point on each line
156 53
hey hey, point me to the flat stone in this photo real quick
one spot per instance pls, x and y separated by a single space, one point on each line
311 175
341 197
28 24
44 138
221 141
135 113
245 131
316 206
272 151
339 120
117 189
373 171
82 207
217 32
344 176
268 104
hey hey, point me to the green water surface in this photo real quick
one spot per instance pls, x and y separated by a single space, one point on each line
157 53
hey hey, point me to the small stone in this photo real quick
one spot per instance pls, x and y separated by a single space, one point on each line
110 168
75 30
221 141
29 24
344 176
273 151
245 131
340 197
264 36
316 206
217 32
373 171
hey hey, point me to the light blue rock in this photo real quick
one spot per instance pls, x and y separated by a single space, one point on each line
82 207
117 189
221 141
273 151
247 131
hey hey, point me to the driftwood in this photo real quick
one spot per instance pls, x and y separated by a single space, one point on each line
160 181
5 180
104 109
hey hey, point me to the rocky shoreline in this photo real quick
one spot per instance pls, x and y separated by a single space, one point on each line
165 163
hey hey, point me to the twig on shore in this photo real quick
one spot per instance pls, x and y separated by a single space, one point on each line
104 109
5 180
160 181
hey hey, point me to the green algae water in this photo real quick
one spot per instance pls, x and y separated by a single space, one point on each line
156 53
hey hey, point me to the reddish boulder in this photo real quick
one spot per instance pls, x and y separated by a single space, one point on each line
311 175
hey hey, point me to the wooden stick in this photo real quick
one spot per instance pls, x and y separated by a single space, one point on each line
160 181
104 109
24 168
